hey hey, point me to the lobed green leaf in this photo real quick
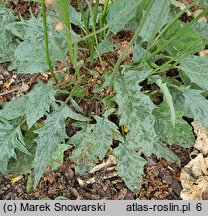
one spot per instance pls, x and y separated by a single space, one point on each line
23 163
49 136
181 134
120 12
135 110
196 104
195 68
92 142
153 17
11 138
130 166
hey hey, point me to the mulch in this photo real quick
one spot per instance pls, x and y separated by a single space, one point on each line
161 179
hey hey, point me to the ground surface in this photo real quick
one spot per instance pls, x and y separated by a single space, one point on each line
161 179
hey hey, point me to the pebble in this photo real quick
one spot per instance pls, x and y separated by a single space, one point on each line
168 178
19 191
119 186
8 186
70 173
2 191
177 188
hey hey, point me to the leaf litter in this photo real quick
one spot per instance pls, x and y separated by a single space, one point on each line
194 176
99 187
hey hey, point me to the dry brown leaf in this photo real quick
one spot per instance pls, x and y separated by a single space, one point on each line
111 161
203 53
2 100
194 179
202 137
15 179
7 85
102 1
25 87
109 166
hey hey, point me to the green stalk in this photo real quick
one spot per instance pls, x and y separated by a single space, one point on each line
86 23
82 15
64 6
102 18
95 12
175 36
163 67
171 22
46 41
107 26
115 69
93 41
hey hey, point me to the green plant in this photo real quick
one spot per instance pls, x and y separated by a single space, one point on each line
94 18
46 40
159 36
65 15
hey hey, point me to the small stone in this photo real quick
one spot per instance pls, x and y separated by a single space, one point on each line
19 190
169 197
168 178
177 188
70 173
8 186
25 87
2 190
119 186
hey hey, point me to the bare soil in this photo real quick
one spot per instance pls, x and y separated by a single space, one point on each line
161 179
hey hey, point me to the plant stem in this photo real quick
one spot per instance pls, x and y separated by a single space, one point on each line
64 6
46 41
102 18
181 31
115 69
171 22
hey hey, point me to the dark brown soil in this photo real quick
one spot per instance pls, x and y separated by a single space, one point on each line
161 179
161 182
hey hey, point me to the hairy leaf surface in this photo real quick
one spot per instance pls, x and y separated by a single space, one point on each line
202 29
195 67
130 166
23 163
135 110
139 53
76 17
92 142
34 105
49 136
196 104
168 99
154 17
11 138
120 12
57 157
15 108
162 151
8 43
30 53
39 101
181 134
